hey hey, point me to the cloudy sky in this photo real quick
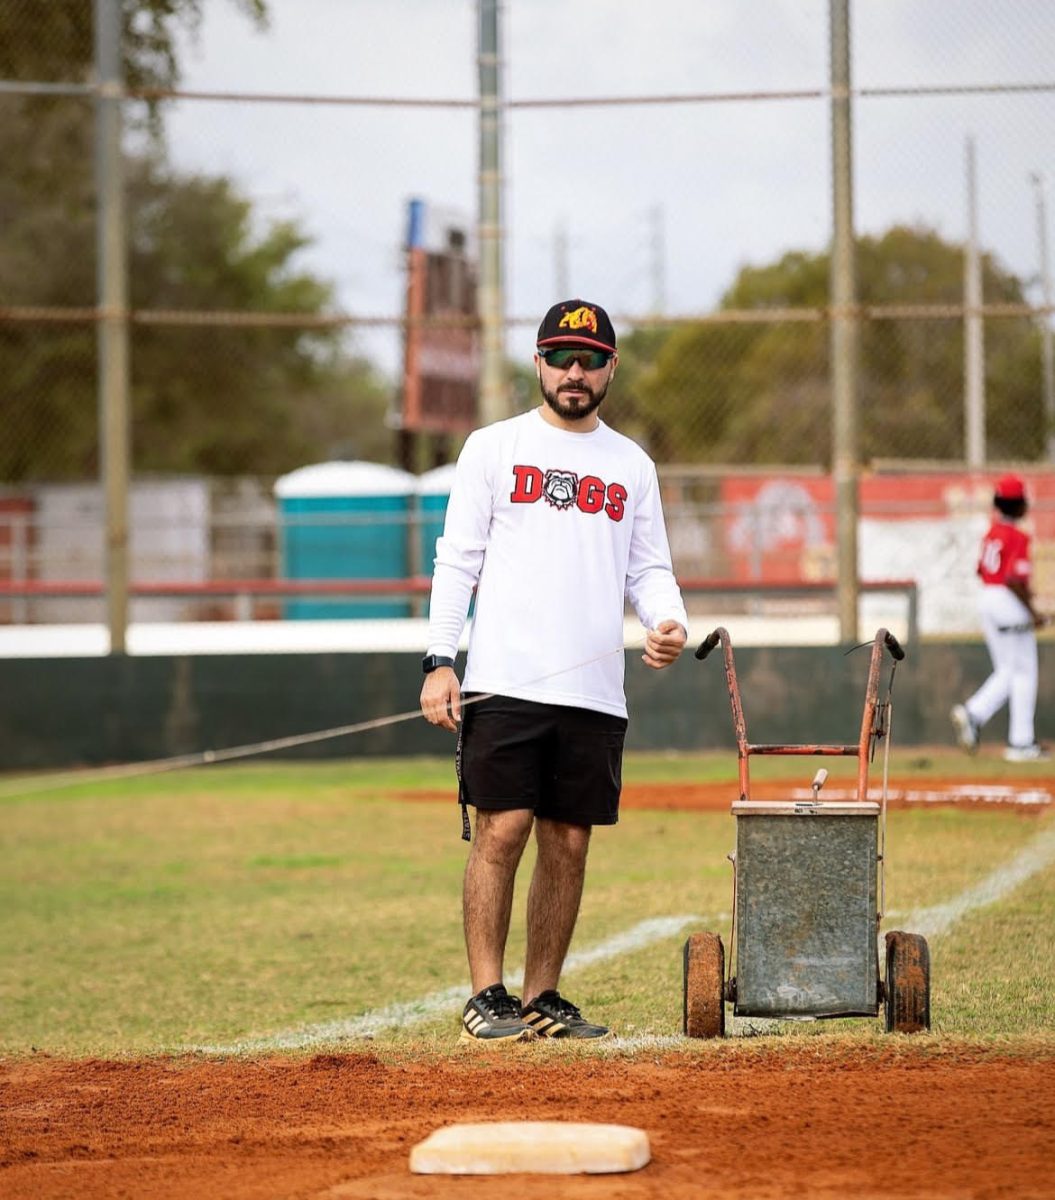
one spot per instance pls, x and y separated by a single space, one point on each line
633 206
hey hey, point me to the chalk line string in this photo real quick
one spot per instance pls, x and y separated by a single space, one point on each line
202 758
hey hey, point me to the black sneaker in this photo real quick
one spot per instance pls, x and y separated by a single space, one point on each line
551 1016
493 1016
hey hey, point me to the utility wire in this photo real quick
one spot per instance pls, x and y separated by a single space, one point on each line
204 758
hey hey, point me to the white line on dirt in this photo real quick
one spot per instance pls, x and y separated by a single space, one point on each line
413 1012
982 793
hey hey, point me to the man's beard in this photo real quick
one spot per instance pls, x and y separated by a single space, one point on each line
574 408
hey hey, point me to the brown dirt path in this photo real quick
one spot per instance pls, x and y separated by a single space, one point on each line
908 1120
902 1120
1031 797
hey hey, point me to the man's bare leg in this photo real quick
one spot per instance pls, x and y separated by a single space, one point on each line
487 892
553 902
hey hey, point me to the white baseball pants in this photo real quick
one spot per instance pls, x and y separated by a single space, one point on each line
1012 643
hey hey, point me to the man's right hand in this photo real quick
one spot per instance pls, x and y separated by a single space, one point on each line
441 698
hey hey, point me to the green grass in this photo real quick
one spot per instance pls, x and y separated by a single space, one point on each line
211 906
921 763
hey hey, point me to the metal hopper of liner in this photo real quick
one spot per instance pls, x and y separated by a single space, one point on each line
808 893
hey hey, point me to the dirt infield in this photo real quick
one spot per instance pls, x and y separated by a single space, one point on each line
903 1121
902 1118
1032 798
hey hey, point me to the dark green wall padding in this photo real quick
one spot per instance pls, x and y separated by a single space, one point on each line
66 712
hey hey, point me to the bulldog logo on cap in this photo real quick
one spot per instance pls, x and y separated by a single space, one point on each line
577 322
580 318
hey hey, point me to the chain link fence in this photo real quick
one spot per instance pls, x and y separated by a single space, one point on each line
673 165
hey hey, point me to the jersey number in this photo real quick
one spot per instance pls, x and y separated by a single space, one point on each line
991 555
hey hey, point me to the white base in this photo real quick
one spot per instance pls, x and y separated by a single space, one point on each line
540 1147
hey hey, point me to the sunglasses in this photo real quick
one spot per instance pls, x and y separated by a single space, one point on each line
562 358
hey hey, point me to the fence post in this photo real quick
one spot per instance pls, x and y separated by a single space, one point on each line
111 287
490 296
843 327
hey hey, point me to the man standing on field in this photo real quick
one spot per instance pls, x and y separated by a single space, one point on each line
553 518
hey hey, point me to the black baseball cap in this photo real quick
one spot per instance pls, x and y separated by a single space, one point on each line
577 323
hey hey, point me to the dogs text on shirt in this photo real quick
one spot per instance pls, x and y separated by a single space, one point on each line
564 489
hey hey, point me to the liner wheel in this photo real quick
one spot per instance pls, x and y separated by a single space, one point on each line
704 995
907 989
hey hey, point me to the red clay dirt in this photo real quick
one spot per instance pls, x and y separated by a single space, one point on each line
1033 797
758 1123
908 1119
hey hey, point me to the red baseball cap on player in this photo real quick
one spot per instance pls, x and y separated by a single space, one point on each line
1010 487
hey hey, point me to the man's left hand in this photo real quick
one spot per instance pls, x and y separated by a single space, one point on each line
663 644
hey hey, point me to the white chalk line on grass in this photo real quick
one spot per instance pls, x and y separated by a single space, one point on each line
414 1012
932 921
939 918
656 1042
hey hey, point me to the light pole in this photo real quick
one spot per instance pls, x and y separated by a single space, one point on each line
1045 321
974 332
490 294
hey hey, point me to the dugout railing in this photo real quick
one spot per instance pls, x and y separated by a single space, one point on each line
254 599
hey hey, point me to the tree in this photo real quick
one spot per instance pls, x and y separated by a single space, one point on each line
213 399
760 393
54 41
224 400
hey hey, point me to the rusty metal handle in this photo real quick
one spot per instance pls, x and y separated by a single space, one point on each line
709 643
893 645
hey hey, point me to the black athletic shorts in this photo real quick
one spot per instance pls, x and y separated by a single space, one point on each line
563 763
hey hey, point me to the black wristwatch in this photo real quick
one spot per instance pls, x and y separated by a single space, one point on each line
431 661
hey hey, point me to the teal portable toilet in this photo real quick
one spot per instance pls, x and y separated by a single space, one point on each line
434 490
345 520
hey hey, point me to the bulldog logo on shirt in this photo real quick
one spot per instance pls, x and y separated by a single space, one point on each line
565 489
560 488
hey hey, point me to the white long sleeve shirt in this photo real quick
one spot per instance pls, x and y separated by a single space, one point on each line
553 528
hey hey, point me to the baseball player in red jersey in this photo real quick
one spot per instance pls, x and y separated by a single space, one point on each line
1009 622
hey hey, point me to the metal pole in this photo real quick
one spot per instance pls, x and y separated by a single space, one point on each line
974 330
560 259
659 261
1045 321
111 287
843 326
490 298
